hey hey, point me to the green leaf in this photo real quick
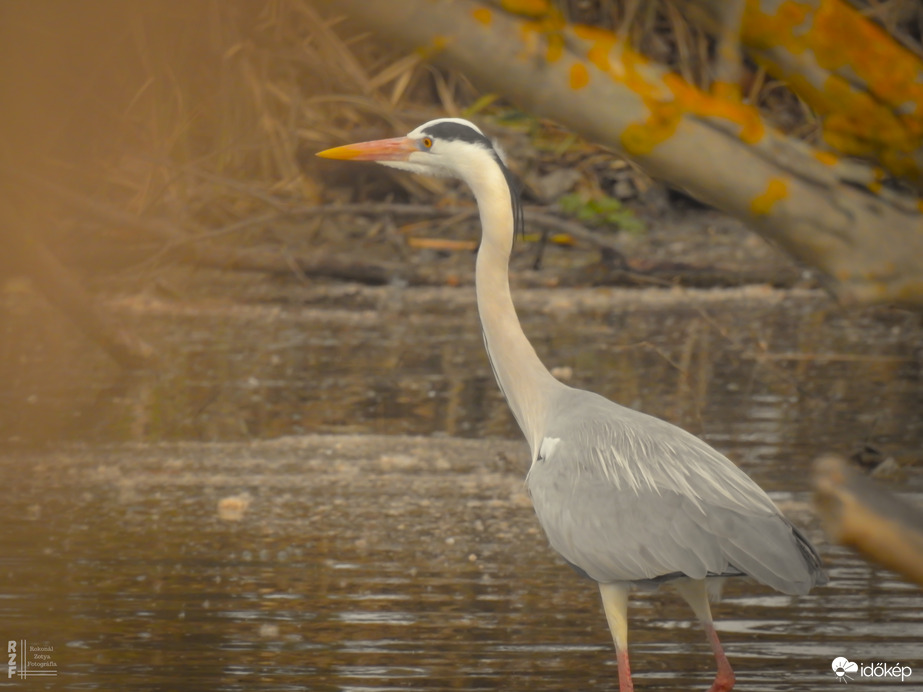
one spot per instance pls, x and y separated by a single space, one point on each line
602 211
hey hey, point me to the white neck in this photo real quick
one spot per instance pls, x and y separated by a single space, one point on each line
524 381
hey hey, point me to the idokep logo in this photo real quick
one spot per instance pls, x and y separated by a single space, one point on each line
846 670
842 667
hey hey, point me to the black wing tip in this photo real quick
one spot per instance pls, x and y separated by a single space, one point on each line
811 557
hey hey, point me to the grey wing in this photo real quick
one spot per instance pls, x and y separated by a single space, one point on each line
627 497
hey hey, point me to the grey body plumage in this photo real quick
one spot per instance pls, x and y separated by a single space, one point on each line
624 496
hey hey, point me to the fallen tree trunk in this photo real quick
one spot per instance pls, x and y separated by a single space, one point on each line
863 84
868 245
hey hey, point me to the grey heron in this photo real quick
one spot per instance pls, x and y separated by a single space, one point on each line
627 499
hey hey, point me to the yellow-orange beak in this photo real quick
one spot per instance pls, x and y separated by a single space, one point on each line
397 149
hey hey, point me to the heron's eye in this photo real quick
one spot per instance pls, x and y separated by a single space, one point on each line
427 143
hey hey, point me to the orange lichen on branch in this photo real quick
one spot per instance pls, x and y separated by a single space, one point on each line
607 54
726 91
529 8
599 55
761 29
579 76
437 45
693 100
482 15
640 139
866 86
776 190
548 27
555 48
667 96
854 116
827 158
845 40
601 43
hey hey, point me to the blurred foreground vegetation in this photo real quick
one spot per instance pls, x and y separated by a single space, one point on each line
132 129
139 136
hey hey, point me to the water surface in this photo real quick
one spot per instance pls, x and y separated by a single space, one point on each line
327 495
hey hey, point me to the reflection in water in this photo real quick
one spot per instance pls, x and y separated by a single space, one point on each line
329 562
771 368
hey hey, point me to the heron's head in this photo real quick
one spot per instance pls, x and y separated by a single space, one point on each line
444 147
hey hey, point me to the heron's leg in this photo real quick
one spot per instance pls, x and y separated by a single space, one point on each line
696 595
615 603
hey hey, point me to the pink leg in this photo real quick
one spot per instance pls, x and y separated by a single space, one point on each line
625 683
696 595
615 603
725 679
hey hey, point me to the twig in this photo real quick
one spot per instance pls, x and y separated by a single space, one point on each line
539 217
194 245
